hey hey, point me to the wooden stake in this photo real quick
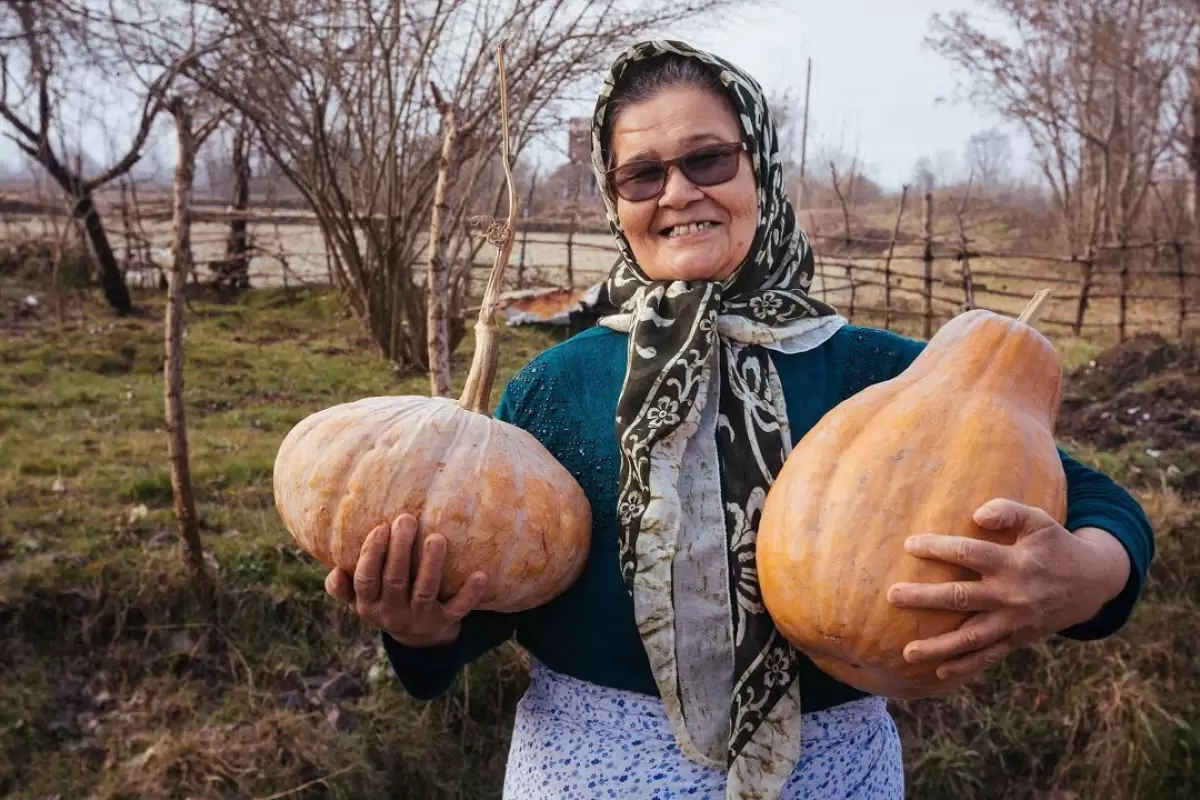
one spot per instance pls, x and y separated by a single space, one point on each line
437 284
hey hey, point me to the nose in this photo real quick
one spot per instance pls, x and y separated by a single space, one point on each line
678 191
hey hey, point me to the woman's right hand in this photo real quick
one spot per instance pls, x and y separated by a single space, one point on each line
382 592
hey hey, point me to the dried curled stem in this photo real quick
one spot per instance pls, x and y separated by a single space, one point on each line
477 393
1034 309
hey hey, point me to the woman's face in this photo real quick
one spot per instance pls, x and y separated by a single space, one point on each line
687 232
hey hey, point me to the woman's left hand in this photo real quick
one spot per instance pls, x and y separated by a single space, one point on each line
1049 579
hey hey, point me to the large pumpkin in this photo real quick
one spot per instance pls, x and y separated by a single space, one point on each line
971 419
501 500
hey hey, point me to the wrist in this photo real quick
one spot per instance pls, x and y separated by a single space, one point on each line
444 638
1109 565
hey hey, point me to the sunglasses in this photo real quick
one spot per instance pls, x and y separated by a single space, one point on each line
705 166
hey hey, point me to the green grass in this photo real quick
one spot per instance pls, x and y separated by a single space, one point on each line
114 688
91 584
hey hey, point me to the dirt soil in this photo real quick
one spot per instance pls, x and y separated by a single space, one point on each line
1144 390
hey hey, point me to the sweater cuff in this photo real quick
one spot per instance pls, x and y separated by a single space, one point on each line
1116 612
424 672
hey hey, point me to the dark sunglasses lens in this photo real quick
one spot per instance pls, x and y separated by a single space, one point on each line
639 182
710 167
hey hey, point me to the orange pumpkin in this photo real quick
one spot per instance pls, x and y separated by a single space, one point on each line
504 504
971 419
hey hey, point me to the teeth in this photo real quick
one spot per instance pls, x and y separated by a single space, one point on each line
684 230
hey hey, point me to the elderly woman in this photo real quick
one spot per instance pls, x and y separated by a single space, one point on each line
659 673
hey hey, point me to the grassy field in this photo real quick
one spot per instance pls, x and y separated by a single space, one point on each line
114 688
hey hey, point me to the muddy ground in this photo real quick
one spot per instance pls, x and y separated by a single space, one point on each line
1142 393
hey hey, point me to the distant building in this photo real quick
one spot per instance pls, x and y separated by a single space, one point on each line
579 140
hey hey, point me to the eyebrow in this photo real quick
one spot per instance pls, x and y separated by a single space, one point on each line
695 138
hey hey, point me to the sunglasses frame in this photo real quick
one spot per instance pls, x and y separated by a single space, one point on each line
725 148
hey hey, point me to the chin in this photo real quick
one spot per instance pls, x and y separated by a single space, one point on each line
698 270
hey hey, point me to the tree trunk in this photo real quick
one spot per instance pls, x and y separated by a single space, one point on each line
112 281
1194 142
235 271
437 286
177 440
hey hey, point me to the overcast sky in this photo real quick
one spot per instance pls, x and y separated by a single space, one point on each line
876 86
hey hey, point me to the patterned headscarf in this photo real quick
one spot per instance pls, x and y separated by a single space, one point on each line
691 467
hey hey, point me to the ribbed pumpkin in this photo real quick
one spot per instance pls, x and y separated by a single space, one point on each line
504 504
971 419
501 500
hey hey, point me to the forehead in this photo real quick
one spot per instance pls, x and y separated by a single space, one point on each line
671 122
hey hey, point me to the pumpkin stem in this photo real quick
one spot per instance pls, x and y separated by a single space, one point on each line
1032 311
477 393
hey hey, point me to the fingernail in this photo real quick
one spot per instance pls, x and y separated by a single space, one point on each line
913 543
405 523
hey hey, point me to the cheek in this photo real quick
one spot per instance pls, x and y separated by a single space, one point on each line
741 202
635 220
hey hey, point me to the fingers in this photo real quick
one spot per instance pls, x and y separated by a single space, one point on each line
429 575
1000 514
467 598
397 568
367 571
986 558
949 596
976 662
339 584
979 632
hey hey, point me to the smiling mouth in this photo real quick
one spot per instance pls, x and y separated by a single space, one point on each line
690 229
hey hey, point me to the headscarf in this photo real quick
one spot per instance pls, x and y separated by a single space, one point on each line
691 467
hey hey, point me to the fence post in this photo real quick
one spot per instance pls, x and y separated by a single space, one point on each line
853 288
887 265
968 284
521 257
819 269
1085 286
1181 274
1124 298
571 251
928 257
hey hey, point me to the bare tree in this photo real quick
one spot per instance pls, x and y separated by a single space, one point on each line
924 179
1093 84
438 282
988 154
46 41
189 139
336 91
1191 134
233 272
845 195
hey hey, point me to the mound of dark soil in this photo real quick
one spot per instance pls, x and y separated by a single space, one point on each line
1146 389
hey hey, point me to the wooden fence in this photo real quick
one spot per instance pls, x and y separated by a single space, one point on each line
902 280
1124 287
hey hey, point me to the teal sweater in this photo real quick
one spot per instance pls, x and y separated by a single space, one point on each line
567 398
